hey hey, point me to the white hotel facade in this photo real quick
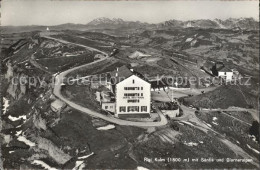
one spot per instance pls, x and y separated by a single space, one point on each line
132 94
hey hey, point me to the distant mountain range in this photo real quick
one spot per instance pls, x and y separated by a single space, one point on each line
116 23
243 23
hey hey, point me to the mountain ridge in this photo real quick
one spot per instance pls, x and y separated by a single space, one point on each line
118 23
244 23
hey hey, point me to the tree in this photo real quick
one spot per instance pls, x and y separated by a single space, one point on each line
254 130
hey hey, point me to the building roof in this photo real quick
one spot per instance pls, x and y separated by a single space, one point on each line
120 74
234 69
57 104
224 69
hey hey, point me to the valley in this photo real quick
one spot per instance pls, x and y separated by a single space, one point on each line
49 123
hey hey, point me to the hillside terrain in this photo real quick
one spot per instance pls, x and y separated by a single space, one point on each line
36 133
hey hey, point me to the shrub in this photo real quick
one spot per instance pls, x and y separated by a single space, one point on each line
174 125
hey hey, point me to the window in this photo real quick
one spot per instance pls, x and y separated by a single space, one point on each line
141 94
106 107
133 81
111 107
122 109
133 108
143 108
141 88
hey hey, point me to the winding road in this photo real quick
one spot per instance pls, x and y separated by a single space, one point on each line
189 113
57 92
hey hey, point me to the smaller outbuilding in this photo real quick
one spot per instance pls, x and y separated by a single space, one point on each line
226 74
57 105
170 109
109 106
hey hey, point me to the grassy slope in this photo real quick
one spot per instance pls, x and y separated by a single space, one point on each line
223 97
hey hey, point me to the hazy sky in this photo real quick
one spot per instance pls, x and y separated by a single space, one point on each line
45 12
